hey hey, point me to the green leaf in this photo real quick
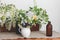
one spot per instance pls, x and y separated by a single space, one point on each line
41 9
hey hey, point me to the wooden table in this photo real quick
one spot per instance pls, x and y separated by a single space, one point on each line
36 35
38 39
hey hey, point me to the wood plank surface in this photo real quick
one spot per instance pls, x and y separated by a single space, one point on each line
34 39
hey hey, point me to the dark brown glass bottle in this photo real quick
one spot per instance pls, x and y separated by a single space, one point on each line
49 29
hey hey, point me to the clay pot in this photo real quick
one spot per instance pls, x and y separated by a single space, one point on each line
35 27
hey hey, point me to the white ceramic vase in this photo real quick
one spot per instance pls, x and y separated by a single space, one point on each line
25 32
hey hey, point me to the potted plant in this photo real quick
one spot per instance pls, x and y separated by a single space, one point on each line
22 25
2 17
10 16
37 18
7 17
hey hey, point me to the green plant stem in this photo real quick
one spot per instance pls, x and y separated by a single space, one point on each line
35 3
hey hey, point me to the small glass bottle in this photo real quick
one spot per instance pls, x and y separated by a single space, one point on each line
49 29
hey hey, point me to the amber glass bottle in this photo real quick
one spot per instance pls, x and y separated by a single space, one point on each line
49 29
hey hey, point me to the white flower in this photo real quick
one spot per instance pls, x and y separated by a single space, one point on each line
20 15
8 14
0 21
30 14
1 14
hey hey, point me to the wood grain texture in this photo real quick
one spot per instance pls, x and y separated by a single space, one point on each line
34 39
40 39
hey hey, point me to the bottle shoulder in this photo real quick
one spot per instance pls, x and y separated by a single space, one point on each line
49 25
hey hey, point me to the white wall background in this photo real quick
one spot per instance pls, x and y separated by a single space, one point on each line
52 7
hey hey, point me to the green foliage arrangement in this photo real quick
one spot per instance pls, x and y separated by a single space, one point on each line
40 15
9 14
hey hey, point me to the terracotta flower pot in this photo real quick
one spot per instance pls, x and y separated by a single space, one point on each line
35 27
3 29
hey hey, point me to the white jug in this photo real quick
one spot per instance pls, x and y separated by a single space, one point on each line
24 31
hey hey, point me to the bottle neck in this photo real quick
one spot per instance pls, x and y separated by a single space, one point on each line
49 22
